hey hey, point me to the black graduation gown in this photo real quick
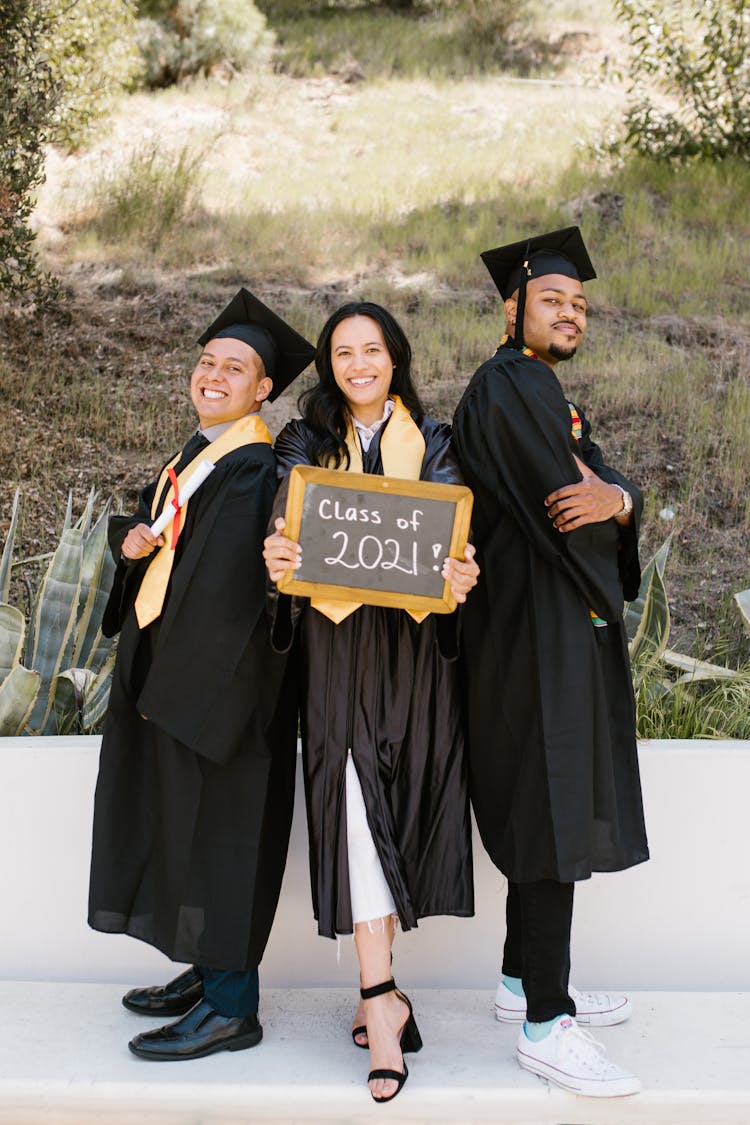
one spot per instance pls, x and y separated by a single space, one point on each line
193 807
387 688
553 760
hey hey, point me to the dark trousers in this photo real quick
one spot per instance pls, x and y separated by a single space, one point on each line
537 945
231 993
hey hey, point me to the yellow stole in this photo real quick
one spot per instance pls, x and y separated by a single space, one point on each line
150 599
402 449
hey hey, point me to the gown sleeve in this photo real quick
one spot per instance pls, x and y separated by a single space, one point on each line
441 465
128 572
513 438
628 561
284 610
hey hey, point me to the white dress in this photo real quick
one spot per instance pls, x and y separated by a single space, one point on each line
370 895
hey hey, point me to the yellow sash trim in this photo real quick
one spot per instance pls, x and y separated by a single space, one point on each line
402 450
245 431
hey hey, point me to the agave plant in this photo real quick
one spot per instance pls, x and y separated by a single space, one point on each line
647 622
55 673
743 604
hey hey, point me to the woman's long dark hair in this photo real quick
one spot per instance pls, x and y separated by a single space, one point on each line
323 407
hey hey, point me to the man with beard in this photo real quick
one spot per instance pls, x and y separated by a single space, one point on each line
553 759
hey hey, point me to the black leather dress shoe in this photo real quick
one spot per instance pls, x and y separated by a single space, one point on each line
173 999
201 1032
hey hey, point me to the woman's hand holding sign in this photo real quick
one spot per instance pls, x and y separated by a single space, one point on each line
461 574
281 554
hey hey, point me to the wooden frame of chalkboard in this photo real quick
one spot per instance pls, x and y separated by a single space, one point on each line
376 540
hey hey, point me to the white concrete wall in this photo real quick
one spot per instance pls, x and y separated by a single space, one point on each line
681 921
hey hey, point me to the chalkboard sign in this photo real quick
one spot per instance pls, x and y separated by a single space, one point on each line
374 539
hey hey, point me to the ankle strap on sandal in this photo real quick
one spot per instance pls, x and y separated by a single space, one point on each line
378 989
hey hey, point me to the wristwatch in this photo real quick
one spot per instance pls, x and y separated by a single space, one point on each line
627 502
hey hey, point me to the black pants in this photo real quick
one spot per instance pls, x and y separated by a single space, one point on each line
231 993
537 945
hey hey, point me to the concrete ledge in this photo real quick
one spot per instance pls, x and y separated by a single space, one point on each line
64 1061
679 922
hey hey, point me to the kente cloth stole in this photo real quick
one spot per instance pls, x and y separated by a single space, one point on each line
150 599
402 449
524 350
576 429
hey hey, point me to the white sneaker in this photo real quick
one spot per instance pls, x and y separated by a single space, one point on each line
571 1058
597 1009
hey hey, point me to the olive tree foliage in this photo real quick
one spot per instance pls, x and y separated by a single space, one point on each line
182 38
60 60
91 47
694 57
29 93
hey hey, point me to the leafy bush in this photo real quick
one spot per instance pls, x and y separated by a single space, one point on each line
195 36
60 60
28 95
698 55
91 48
434 38
65 680
481 12
494 18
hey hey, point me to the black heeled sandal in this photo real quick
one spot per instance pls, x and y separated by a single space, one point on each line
361 1028
409 1039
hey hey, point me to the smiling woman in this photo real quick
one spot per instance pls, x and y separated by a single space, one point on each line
382 733
362 366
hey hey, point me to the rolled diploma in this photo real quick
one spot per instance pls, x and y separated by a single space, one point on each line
191 485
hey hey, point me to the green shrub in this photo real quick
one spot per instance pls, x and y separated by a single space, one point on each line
28 95
92 50
195 36
493 18
448 38
480 13
698 55
60 61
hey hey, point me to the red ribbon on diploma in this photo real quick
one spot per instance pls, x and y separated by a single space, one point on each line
176 505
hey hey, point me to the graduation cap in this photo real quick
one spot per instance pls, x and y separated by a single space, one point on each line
284 352
512 266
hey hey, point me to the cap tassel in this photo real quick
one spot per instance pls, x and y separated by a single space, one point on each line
518 339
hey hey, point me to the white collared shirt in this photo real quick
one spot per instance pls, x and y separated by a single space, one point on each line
367 433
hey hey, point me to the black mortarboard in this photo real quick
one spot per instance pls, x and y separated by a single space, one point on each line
284 352
512 266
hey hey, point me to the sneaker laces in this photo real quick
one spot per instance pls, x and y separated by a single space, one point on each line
591 1001
584 1048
